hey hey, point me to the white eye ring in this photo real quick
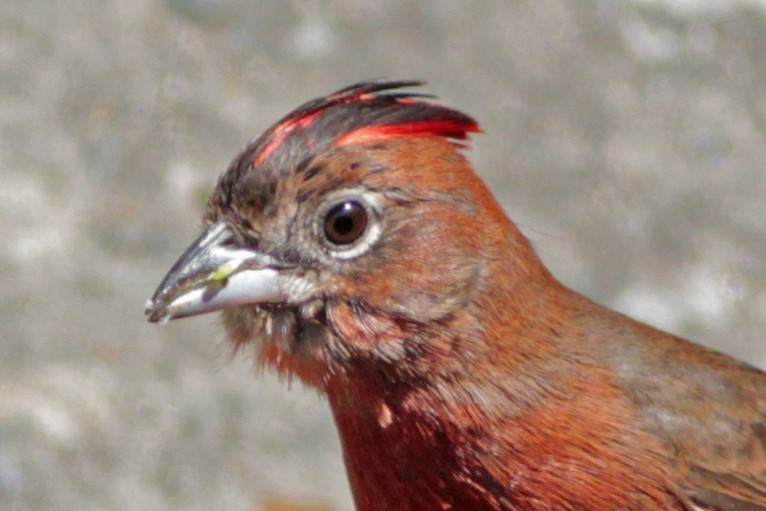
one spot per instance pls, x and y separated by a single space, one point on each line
372 230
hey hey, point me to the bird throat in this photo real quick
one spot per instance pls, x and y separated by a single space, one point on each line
403 451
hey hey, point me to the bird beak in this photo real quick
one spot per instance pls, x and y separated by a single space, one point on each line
213 274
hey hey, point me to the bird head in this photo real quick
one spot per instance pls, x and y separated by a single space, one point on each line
342 234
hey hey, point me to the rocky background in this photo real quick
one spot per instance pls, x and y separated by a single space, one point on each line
627 138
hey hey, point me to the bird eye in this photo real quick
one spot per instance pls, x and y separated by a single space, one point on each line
345 223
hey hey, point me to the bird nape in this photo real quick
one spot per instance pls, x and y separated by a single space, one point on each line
354 247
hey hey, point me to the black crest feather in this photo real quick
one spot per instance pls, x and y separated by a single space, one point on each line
359 113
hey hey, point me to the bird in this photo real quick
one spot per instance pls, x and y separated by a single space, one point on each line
353 246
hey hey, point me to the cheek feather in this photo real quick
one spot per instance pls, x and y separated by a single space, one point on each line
421 270
371 336
300 288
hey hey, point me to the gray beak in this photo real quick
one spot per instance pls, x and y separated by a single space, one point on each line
214 274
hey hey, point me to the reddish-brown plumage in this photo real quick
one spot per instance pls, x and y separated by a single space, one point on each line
461 374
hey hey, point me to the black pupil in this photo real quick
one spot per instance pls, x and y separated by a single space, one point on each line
345 223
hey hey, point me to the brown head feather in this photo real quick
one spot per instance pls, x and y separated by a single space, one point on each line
364 112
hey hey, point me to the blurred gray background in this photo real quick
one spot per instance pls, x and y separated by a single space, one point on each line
626 138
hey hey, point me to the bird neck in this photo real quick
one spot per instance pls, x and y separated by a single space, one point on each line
475 421
412 424
403 450
514 319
